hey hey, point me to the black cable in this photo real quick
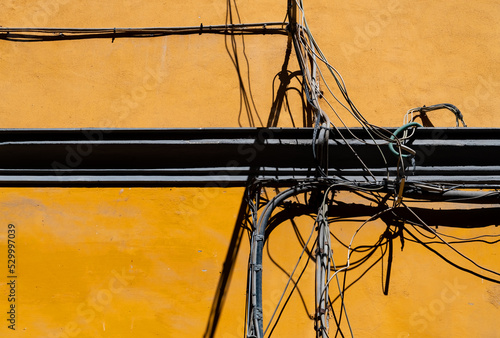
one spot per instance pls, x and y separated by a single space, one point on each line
246 99
57 34
345 288
288 275
290 295
450 262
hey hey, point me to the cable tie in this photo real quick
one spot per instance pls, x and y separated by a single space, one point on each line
257 267
201 28
259 238
320 312
257 312
114 35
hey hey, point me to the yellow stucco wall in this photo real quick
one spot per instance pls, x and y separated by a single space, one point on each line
146 262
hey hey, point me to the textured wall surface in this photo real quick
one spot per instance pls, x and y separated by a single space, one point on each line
146 262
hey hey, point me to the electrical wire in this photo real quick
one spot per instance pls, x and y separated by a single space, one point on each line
53 34
290 295
451 247
290 278
311 60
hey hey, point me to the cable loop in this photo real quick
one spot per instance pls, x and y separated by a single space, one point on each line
394 135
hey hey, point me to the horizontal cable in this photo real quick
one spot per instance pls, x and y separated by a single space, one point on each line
49 34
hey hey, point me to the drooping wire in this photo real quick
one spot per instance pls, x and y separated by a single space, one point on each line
453 249
246 98
290 278
290 294
288 275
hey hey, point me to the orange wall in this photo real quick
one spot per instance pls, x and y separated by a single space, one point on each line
168 245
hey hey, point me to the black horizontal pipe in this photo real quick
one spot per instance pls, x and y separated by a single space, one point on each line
228 156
